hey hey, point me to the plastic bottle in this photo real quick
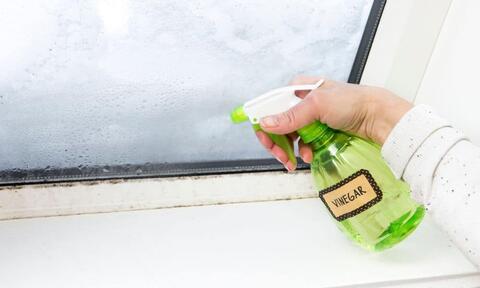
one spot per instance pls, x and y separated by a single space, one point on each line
368 203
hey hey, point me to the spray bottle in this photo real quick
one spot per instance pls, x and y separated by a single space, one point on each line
357 187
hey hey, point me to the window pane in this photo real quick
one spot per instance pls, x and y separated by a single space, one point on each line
113 82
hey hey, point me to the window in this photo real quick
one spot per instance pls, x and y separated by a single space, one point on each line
116 88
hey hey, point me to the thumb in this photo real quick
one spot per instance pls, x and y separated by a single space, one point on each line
291 120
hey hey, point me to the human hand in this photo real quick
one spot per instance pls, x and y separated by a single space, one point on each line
369 112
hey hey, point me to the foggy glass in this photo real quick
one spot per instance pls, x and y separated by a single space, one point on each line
109 82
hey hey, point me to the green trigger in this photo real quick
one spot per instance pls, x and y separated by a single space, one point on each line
282 141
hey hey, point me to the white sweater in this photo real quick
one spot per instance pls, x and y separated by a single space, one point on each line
443 170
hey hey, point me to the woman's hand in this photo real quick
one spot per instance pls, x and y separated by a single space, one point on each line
369 112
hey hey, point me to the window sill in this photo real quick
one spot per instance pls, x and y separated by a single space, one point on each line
123 195
266 244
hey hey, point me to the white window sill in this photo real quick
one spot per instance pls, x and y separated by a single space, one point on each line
120 195
265 244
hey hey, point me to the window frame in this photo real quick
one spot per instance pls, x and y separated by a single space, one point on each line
138 171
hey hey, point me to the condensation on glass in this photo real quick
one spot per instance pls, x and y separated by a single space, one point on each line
129 82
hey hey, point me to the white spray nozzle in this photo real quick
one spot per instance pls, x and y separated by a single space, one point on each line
275 101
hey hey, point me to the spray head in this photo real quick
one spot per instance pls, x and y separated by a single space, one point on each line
238 115
273 102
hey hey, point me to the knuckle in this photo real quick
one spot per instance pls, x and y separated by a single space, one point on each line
289 118
304 79
298 79
329 83
316 98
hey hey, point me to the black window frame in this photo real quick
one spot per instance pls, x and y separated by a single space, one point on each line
129 171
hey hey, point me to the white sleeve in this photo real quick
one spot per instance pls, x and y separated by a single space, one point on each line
443 170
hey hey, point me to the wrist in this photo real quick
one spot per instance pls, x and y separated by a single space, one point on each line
389 109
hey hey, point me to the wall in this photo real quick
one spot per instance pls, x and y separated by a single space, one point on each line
450 83
403 44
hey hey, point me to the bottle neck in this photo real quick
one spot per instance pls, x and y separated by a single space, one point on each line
317 135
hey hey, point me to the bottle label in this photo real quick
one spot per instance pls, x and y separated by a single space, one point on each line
352 195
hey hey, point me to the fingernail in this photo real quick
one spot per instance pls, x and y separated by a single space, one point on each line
269 121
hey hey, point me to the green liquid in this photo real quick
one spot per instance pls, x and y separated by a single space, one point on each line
337 156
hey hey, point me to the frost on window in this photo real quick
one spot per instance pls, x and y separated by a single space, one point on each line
101 82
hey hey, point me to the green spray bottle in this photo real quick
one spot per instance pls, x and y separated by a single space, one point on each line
359 190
